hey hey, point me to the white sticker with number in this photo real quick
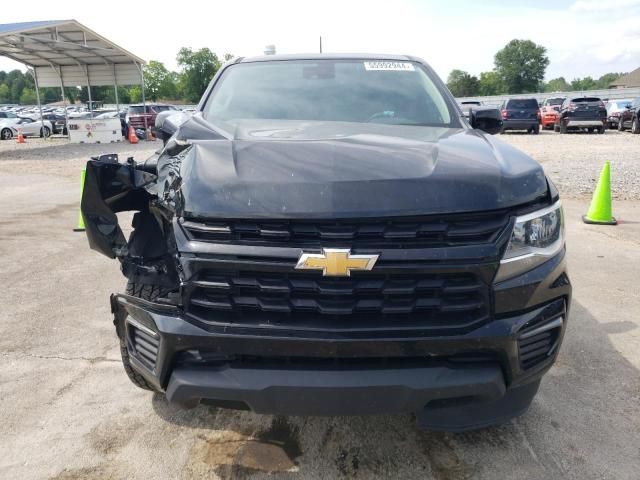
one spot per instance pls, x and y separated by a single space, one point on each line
391 66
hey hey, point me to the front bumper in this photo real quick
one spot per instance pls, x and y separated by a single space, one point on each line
519 124
584 123
451 382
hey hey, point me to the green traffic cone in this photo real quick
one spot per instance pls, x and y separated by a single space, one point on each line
600 209
80 227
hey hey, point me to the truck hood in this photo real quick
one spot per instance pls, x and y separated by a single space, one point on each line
286 169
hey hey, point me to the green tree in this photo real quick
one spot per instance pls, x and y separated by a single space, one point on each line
28 97
4 93
557 85
605 80
198 68
586 83
491 83
156 80
461 84
521 64
135 94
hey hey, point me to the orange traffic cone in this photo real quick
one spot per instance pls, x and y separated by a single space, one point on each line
133 138
20 136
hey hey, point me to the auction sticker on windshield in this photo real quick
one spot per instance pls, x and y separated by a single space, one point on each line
395 66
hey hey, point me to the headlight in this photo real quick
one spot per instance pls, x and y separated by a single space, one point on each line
536 237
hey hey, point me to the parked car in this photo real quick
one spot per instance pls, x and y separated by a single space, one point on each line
581 113
136 115
549 111
615 108
629 117
58 123
9 128
521 114
7 114
294 254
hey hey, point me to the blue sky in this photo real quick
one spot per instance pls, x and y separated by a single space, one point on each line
583 37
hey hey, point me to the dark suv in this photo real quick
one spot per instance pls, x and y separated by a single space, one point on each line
328 235
629 117
521 114
582 113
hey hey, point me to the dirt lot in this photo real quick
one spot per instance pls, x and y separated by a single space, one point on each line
68 410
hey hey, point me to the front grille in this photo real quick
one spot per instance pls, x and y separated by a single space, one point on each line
365 302
538 339
415 232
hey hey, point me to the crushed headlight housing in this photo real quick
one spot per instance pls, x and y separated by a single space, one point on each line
536 237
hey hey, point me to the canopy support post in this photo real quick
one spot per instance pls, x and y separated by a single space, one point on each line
144 102
86 69
64 102
115 86
35 79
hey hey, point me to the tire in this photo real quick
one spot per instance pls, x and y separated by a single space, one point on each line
590 130
601 130
620 125
45 132
145 292
6 134
563 128
556 128
536 130
635 126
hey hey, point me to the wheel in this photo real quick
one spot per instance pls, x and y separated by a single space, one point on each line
6 134
536 130
590 130
620 125
635 126
563 128
556 128
45 132
146 292
601 130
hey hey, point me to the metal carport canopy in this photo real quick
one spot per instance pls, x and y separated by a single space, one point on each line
65 52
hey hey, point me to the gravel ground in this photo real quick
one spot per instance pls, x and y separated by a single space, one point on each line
68 411
574 161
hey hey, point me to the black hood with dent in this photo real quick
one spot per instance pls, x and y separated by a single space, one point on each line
286 169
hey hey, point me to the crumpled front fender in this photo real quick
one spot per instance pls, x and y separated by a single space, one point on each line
111 187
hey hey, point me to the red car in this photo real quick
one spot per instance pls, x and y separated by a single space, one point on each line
549 112
136 115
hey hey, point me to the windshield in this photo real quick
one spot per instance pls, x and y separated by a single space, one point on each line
163 108
398 93
554 101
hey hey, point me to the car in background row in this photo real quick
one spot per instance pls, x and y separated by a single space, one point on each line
579 113
629 117
9 128
549 111
521 114
58 123
136 115
615 108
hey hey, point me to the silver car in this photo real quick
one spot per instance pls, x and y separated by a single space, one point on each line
9 127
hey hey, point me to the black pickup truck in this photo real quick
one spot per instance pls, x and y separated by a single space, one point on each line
329 235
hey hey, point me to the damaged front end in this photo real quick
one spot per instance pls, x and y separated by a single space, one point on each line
112 187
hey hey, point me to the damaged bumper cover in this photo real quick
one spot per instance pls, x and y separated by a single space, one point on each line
251 368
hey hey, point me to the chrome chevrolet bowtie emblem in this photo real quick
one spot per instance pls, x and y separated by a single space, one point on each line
336 262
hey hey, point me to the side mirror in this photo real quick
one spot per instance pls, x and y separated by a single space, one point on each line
167 123
488 120
627 106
